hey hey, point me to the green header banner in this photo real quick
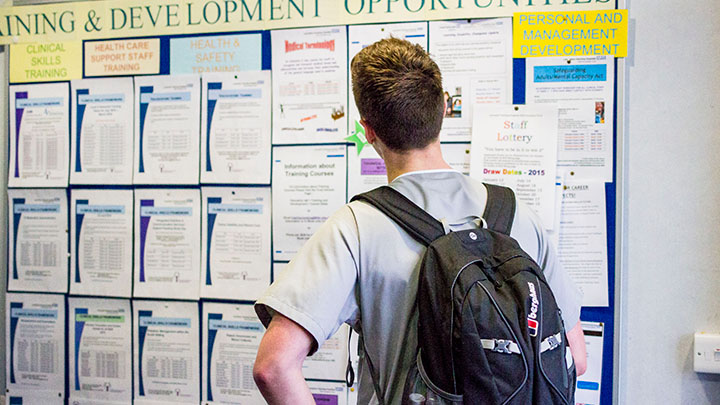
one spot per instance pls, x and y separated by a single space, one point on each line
123 19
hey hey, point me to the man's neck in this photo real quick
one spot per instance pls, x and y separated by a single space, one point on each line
428 158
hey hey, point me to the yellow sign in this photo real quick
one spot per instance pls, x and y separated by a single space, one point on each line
144 18
122 57
570 33
48 62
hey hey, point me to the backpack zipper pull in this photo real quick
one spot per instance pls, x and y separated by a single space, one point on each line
490 274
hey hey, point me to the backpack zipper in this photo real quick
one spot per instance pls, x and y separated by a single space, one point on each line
452 309
539 359
507 324
452 320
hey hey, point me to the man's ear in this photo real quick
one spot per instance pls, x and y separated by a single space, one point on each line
369 132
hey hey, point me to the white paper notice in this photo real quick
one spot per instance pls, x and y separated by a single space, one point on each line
309 85
99 340
582 247
588 385
102 131
32 398
475 58
278 268
38 240
35 344
328 392
330 360
39 135
101 242
167 129
457 155
360 36
516 147
236 251
231 336
583 90
365 171
308 186
167 243
559 187
166 352
355 361
235 145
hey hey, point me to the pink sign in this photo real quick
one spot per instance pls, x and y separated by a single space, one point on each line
372 166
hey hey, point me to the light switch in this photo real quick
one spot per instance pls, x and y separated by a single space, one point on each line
706 353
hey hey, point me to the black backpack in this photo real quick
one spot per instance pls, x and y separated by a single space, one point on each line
489 328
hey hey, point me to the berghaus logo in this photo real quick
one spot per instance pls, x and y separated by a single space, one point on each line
532 316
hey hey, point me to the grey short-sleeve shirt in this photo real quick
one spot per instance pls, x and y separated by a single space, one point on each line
362 269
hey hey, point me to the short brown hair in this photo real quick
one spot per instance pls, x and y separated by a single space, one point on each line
398 91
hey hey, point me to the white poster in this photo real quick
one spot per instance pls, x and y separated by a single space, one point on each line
309 68
278 268
366 171
516 147
167 243
329 362
166 352
35 345
236 125
587 390
231 337
475 58
361 36
32 398
39 135
308 186
582 242
102 131
101 242
99 341
37 240
457 155
236 251
329 392
355 361
167 129
582 87
554 232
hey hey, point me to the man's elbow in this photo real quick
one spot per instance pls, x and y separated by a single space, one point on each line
580 365
265 372
576 340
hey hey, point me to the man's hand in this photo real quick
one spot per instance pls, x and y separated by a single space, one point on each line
576 340
278 365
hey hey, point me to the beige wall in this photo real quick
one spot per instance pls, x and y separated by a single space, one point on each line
671 274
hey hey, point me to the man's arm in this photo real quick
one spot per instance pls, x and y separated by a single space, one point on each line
278 365
576 340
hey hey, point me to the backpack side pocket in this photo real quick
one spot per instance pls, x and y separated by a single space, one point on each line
420 390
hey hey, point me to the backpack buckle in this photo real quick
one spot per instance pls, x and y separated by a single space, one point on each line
552 340
502 346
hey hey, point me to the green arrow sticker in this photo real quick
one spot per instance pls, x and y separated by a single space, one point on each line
358 138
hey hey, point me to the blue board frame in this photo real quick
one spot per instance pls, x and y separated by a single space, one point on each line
606 315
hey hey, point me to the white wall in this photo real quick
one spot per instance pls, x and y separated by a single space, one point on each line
671 274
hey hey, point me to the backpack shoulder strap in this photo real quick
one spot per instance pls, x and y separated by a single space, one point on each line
413 219
500 208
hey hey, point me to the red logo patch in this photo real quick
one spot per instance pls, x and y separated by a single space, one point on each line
532 327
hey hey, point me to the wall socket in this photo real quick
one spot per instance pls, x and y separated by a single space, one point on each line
706 356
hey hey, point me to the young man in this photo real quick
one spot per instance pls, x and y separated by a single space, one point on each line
360 267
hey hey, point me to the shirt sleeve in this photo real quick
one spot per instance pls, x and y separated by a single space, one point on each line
317 289
534 240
